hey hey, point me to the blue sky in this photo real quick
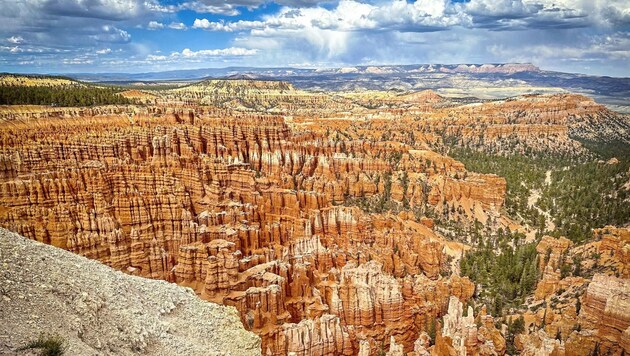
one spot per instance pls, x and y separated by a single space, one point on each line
584 36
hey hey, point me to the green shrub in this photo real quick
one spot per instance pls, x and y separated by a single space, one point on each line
49 345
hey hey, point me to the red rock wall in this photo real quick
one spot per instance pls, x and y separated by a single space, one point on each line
244 212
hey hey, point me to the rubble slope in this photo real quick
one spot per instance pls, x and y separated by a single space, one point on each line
98 310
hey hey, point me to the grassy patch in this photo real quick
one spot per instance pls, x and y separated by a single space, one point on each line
48 345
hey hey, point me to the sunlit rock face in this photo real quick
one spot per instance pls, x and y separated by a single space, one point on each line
607 309
467 335
311 214
247 213
575 315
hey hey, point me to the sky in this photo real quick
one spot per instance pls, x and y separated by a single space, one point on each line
70 36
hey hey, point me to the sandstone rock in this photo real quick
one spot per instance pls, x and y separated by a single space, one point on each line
254 201
461 334
394 349
606 307
614 250
422 344
537 344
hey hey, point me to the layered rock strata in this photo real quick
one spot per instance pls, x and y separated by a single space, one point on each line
246 212
281 203
584 313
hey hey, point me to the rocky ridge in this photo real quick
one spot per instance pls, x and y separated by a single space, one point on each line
35 80
101 311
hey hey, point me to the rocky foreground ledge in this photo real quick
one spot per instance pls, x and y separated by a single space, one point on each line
101 311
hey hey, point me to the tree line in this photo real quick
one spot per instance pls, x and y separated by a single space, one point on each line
61 96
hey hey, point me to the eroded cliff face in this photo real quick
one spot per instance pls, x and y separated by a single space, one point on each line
308 213
530 123
246 212
97 310
579 312
462 335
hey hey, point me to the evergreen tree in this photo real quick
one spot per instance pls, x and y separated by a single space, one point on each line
432 331
595 351
70 95
578 306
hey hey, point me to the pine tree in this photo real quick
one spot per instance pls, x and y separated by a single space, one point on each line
595 351
578 306
432 331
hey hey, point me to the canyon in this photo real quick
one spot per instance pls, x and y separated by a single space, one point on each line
315 215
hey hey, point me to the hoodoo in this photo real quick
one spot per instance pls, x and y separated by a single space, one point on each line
360 223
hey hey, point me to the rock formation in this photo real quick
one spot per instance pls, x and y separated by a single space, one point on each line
246 212
461 335
98 310
606 307
314 215
584 313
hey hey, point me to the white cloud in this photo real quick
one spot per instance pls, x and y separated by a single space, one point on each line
152 57
225 52
177 26
330 32
433 15
228 26
216 6
200 7
220 8
155 6
350 15
501 8
154 25
76 61
14 49
104 51
111 34
102 9
614 46
420 16
188 54
15 39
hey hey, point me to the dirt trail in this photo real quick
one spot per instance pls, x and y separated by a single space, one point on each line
532 201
